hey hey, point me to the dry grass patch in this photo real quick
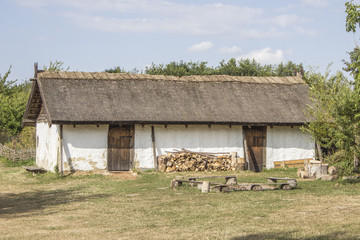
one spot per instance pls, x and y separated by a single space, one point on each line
98 206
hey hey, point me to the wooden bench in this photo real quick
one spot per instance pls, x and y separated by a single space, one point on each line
289 181
204 186
34 169
232 185
228 179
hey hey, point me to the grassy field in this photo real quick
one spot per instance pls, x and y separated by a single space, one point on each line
123 206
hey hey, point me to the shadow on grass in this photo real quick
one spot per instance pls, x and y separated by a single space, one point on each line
29 203
287 236
351 181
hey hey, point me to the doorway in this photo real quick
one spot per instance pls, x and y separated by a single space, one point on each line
256 147
120 147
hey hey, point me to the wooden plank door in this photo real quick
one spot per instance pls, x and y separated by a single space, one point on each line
120 147
256 146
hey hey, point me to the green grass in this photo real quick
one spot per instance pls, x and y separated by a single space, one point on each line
9 163
49 206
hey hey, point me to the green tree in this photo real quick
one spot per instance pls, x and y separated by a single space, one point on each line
329 127
115 70
242 67
13 99
336 106
180 69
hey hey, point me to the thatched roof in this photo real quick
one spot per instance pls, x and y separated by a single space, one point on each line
81 97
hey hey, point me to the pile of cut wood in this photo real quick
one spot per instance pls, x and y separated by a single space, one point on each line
185 160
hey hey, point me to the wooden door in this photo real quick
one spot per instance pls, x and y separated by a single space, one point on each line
120 147
256 146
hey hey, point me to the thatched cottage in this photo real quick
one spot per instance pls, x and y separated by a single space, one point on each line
119 121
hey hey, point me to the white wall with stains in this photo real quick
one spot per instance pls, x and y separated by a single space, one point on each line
286 143
198 138
47 145
85 147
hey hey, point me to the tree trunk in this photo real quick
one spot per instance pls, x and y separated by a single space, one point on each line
319 151
356 159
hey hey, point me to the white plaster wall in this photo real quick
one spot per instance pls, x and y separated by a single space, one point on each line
85 147
199 138
286 143
47 145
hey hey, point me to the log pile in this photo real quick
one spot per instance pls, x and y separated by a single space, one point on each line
184 160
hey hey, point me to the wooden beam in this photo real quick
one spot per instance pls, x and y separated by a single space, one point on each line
61 151
246 155
35 69
153 147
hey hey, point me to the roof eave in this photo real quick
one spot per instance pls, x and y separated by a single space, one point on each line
62 122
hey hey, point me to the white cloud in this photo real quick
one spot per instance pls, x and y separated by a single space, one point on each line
230 50
287 8
158 16
305 31
203 46
316 3
286 20
172 17
265 56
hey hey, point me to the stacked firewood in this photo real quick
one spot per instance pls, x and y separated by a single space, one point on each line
184 160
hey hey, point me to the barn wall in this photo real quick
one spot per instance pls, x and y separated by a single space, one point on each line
198 138
85 147
286 143
47 145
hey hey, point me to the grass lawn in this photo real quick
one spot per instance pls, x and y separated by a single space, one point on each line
123 206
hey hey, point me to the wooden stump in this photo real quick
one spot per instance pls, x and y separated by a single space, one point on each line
174 184
231 181
332 170
318 170
205 187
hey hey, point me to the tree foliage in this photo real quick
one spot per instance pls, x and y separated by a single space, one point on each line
330 126
336 106
115 70
352 16
243 67
13 99
56 66
121 70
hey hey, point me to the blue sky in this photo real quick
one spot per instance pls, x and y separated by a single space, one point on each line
93 35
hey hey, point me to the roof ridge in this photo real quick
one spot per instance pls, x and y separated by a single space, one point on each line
77 75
